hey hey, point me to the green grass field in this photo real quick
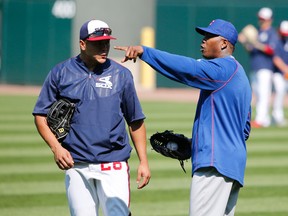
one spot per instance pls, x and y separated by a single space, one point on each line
32 185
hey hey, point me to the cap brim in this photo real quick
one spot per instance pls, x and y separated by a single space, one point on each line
204 30
101 38
264 18
284 33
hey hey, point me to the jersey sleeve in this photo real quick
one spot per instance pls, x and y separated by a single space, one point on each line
201 74
47 96
130 104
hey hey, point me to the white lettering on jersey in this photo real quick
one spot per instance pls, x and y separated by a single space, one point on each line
104 83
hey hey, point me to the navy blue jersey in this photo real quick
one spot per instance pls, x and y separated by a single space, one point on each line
105 101
259 59
222 120
282 50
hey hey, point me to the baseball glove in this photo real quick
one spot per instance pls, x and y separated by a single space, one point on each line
169 144
59 116
250 33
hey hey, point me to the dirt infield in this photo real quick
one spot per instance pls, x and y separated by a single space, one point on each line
19 90
161 94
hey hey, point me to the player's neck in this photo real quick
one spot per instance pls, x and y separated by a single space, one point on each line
89 62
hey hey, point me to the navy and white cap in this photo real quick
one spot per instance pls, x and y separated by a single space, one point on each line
283 30
265 13
95 30
222 28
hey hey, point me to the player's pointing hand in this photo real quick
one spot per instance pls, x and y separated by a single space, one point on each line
132 52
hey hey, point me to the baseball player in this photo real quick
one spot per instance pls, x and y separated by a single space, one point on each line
280 59
222 120
96 150
262 65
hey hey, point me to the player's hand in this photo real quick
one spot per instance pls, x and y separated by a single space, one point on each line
143 176
63 158
132 52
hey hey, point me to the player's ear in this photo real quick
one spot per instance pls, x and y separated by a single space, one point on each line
224 43
82 44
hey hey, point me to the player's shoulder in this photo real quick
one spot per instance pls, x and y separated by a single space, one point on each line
70 62
220 60
117 67
68 65
227 63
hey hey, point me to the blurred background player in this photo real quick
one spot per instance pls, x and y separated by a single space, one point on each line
261 56
280 76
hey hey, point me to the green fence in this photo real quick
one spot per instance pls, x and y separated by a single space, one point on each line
35 35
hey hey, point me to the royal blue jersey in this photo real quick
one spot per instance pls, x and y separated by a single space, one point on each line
105 101
222 120
259 59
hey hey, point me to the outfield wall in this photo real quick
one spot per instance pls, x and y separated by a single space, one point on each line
37 34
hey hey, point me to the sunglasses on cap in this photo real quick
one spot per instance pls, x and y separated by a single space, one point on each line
100 32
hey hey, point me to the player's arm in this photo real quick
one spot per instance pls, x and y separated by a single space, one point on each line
265 48
269 48
281 65
61 156
198 74
137 131
249 45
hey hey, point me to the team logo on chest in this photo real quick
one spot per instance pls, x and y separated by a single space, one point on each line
104 82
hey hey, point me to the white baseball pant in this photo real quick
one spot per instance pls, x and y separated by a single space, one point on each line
106 185
278 103
263 95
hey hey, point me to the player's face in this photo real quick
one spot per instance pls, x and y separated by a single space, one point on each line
97 50
211 46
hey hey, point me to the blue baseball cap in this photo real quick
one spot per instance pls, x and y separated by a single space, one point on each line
222 28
